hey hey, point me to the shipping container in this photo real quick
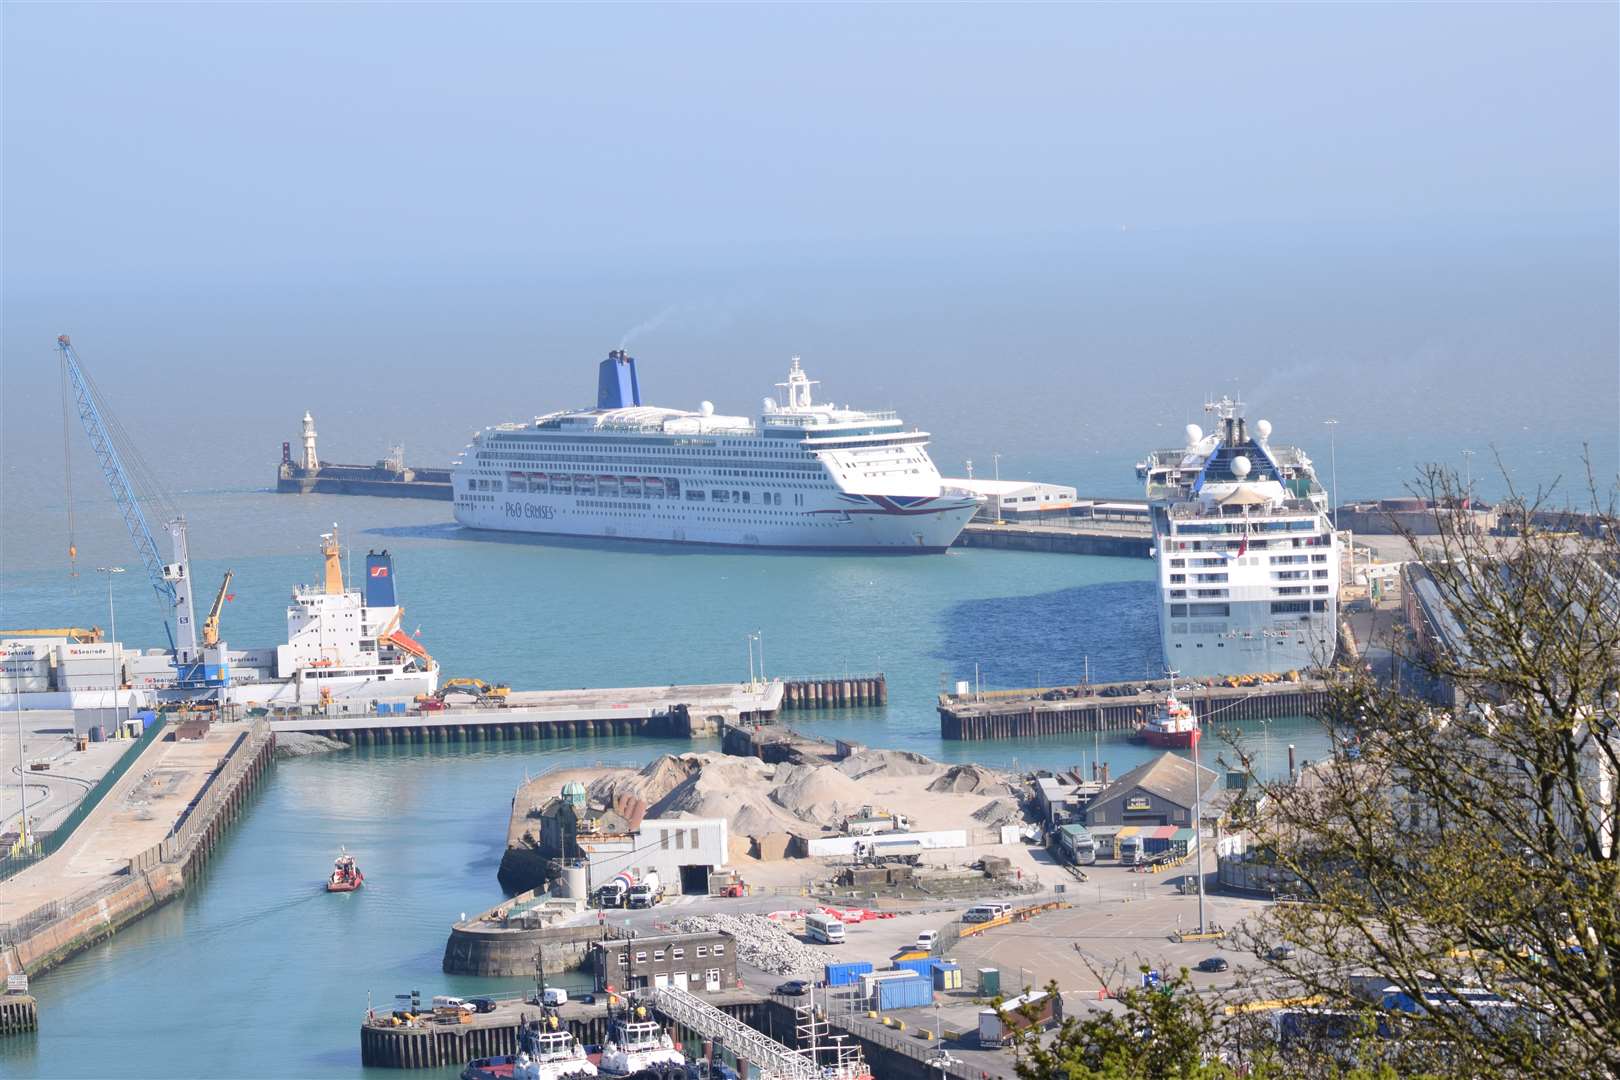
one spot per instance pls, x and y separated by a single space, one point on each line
989 982
921 967
947 975
904 993
844 974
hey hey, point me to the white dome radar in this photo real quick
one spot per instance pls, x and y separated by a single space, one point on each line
1195 434
1240 466
707 408
1264 428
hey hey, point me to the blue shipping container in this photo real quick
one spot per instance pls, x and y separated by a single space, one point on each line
904 993
844 974
921 967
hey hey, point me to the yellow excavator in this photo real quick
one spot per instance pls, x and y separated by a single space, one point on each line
210 628
478 686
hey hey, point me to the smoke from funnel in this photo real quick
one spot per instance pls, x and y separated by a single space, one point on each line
647 326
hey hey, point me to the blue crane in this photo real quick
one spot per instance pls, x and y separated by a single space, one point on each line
171 581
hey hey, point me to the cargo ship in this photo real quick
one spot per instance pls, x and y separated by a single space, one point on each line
345 648
807 474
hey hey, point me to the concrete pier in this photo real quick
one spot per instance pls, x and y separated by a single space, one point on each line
138 849
19 1013
669 711
1022 714
436 1044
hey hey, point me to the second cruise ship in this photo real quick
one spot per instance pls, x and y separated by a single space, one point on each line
806 475
1248 561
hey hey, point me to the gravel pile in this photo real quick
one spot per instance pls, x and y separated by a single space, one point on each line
761 942
294 744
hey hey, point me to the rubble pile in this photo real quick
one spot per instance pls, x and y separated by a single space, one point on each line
761 942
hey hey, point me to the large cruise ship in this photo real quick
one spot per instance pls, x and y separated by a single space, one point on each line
806 475
1247 556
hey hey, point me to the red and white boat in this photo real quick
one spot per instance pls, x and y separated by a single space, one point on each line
1173 727
346 876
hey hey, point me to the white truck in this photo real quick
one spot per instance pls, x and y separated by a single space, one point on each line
646 892
869 823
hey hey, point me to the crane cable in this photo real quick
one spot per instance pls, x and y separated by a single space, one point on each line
67 466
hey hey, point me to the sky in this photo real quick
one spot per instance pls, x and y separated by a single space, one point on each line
1045 231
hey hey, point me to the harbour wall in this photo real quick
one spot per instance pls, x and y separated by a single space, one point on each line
364 480
496 951
1024 714
48 935
1118 541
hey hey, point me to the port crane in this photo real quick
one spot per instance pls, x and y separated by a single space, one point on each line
170 580
210 630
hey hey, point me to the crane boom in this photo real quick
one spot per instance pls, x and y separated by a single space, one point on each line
112 467
171 581
210 631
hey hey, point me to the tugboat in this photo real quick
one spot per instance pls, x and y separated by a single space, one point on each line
346 876
1173 727
546 1051
639 1049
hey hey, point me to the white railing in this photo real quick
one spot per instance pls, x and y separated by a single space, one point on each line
775 1061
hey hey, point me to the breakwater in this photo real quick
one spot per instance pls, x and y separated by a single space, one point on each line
487 946
45 936
835 691
1023 714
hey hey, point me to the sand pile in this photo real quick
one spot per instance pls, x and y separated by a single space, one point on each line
969 779
818 793
999 812
657 779
887 763
737 789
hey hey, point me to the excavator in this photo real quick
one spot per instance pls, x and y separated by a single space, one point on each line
210 627
475 686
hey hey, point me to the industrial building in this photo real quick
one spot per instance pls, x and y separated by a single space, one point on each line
1063 798
1019 500
691 962
606 841
1159 792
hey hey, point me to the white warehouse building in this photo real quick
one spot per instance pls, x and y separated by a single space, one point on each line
1015 498
682 850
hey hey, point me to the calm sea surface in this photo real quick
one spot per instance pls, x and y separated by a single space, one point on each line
256 968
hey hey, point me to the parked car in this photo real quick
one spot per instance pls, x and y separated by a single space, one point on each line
482 1004
793 988
928 939
1282 952
1213 963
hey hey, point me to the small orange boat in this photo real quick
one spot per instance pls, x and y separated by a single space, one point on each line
346 876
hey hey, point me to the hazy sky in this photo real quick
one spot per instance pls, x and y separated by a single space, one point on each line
213 138
419 219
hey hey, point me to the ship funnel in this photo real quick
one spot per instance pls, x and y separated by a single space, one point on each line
379 579
616 384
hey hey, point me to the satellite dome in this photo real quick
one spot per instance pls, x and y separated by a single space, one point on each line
1194 434
1240 466
707 408
1264 428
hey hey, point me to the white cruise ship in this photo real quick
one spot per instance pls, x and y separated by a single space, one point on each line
1247 556
806 475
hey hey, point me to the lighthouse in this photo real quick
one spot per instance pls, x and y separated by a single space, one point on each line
311 462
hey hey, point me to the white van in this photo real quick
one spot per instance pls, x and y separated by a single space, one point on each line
446 1005
980 913
554 996
823 928
927 940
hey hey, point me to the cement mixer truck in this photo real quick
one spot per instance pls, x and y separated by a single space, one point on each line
615 892
646 892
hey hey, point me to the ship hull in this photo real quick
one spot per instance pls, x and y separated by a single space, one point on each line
1248 641
1168 740
926 528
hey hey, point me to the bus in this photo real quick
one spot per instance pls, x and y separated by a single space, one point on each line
823 928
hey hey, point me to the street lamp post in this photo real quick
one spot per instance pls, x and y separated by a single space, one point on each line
1333 464
112 631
